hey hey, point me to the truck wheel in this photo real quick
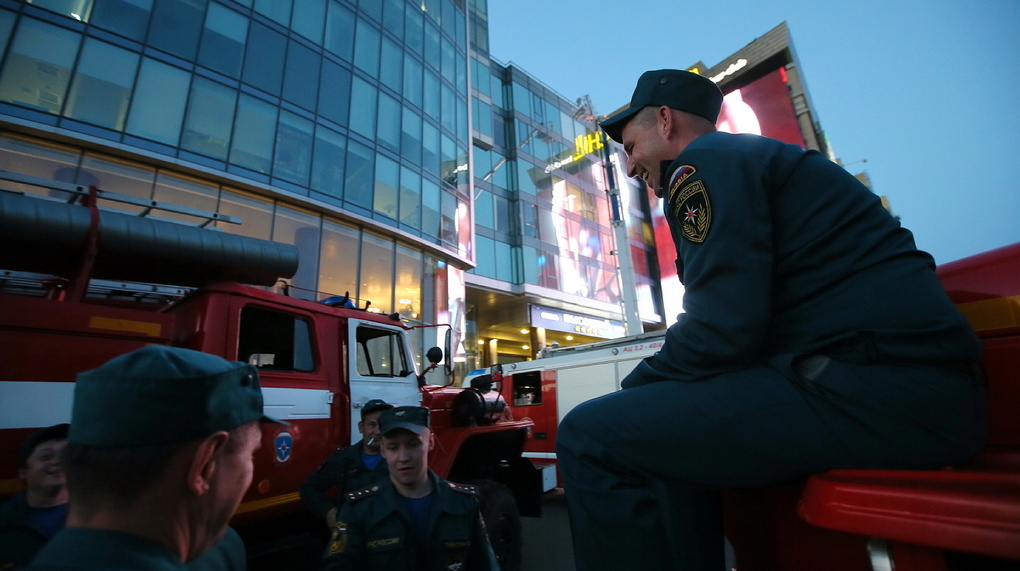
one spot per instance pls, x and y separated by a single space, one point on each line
502 522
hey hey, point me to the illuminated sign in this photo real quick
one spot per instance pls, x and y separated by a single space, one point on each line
730 70
558 320
583 145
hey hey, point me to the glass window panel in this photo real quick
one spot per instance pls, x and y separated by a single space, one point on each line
176 25
254 133
448 107
293 148
502 215
210 115
277 10
77 9
366 48
301 77
116 176
340 31
38 67
431 95
485 257
415 33
413 70
291 226
448 226
449 61
185 191
392 65
129 18
430 199
410 136
334 92
483 209
389 122
408 282
6 25
358 174
363 107
101 87
430 148
432 55
505 262
256 214
222 46
393 17
410 198
308 19
338 265
263 64
387 176
328 162
157 108
522 99
44 161
483 117
532 264
377 272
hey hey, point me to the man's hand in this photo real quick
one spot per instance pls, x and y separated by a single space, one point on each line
331 518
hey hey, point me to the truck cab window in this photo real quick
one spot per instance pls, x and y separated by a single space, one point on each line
381 353
274 340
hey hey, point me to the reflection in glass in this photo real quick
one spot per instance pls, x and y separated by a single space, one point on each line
291 226
376 276
157 107
359 174
430 203
223 42
254 133
293 149
256 214
338 266
389 123
366 48
328 162
77 9
334 92
386 181
392 65
410 136
308 19
410 198
117 176
101 87
210 116
340 31
38 67
129 18
408 283
185 191
363 108
301 76
263 62
176 26
278 10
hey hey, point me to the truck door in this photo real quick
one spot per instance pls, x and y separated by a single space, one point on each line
380 366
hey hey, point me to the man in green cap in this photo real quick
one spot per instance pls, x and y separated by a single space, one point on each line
159 455
348 468
413 520
815 335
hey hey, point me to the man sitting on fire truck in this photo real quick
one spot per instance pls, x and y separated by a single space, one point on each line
815 336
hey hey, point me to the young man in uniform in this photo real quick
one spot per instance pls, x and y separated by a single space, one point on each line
159 455
348 468
413 520
815 336
32 517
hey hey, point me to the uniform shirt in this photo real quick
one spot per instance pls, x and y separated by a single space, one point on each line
95 549
375 531
783 253
343 469
21 536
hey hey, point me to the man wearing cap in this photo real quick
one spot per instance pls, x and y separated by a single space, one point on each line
32 517
159 455
348 468
815 336
413 520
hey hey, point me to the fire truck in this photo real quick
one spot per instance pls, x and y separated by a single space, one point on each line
955 518
86 275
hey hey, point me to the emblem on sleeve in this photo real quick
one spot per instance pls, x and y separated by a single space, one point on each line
693 211
682 173
338 541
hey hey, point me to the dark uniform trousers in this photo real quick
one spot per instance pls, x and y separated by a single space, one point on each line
815 336
374 532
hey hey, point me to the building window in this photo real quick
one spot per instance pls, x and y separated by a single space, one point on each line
157 107
366 48
389 123
38 67
328 162
263 63
309 17
176 26
293 149
210 118
334 93
301 76
129 18
376 272
410 198
223 42
340 31
101 87
410 136
363 108
254 133
359 174
338 268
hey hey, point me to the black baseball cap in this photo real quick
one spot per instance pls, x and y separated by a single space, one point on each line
374 405
675 88
413 418
28 446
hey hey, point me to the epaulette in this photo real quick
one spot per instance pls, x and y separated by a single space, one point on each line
463 488
363 493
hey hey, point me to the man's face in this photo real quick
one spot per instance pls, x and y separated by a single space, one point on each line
645 150
233 476
406 454
43 470
369 429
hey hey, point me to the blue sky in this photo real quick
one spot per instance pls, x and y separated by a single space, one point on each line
926 92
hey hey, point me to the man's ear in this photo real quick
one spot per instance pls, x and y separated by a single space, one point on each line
432 440
665 121
204 460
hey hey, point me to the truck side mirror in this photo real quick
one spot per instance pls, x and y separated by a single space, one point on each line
434 355
448 344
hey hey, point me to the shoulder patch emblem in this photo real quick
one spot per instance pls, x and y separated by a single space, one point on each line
462 488
693 211
362 493
338 540
682 173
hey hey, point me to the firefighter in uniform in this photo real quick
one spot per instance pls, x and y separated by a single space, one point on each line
413 520
159 454
815 336
351 468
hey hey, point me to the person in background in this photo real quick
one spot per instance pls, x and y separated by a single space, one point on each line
32 517
348 468
160 452
413 520
815 335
